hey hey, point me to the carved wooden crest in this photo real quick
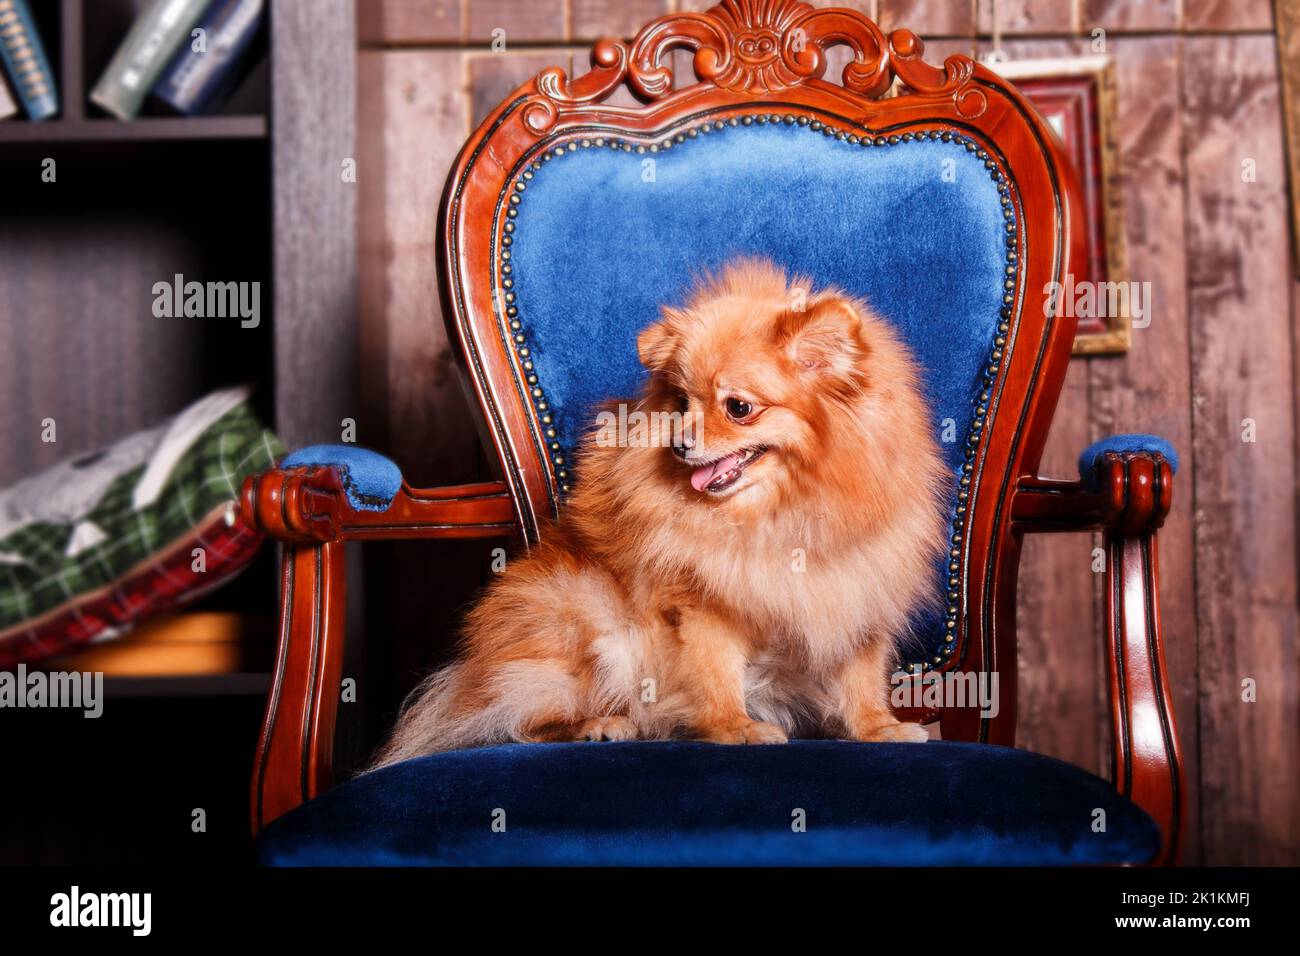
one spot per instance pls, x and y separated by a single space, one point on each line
756 47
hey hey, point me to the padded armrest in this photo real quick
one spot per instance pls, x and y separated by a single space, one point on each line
1123 445
1126 482
332 492
370 480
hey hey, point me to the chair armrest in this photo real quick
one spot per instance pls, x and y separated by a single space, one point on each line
1125 447
1126 483
340 492
314 501
1126 490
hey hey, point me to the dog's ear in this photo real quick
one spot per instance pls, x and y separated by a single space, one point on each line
825 337
656 343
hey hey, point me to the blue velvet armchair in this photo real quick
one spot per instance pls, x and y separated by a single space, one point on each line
565 223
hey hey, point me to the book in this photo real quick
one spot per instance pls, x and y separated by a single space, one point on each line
158 31
196 78
25 60
8 105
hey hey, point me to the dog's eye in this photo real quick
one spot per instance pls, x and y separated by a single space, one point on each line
683 401
738 408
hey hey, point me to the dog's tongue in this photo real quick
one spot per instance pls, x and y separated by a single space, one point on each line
701 477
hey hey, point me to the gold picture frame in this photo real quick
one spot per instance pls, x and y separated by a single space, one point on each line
1078 97
1287 18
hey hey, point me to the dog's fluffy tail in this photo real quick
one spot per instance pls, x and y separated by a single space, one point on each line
437 716
427 724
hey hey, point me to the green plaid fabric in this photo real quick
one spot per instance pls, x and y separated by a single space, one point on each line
206 476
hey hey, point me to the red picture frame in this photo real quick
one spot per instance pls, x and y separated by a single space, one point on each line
1077 97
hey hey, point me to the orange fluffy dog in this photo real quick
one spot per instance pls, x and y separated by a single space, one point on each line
746 581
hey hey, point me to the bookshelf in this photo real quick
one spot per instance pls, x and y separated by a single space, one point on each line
252 192
80 37
249 193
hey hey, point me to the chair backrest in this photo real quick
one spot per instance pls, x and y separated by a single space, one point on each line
937 194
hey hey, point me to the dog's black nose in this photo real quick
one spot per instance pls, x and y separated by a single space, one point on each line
681 451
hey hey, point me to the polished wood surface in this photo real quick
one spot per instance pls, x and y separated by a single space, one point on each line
307 509
295 750
308 505
1132 498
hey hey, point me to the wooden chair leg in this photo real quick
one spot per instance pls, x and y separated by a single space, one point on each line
1146 764
295 751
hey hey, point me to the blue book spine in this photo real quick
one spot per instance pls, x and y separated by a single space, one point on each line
25 60
202 71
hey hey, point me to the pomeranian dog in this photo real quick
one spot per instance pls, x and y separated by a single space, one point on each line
748 579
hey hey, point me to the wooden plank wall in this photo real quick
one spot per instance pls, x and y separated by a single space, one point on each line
1199 106
315 219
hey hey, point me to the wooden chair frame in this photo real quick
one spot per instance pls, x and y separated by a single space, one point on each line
756 58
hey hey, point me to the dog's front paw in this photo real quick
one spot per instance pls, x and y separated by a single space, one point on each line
607 728
745 732
895 732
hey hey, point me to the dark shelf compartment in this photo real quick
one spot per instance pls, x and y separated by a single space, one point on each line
189 685
141 130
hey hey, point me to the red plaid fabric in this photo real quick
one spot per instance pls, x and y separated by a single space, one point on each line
167 580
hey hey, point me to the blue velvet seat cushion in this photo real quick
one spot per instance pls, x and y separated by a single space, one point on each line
657 803
369 479
1124 444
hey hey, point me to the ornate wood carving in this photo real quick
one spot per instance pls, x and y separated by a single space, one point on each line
756 48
